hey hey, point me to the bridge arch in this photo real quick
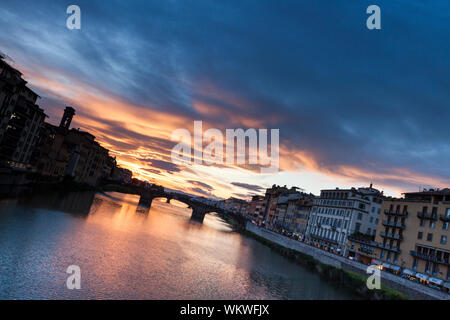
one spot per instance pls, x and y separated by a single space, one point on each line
199 209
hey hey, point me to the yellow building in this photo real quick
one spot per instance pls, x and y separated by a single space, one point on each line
412 237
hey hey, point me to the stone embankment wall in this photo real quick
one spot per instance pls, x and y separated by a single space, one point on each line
412 289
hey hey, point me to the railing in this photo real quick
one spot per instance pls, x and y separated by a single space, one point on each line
429 257
394 224
396 214
424 215
388 247
391 236
367 250
444 218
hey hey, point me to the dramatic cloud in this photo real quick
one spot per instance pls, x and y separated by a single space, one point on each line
250 187
201 184
164 165
352 105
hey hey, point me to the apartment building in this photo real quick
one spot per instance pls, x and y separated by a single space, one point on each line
235 205
338 213
412 237
297 213
64 152
256 209
270 204
121 175
88 158
292 211
20 118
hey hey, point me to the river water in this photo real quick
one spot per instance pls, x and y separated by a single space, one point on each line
128 252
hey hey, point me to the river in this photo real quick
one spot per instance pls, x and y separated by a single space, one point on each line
128 252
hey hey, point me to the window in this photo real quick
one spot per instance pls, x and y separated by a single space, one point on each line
445 226
430 237
432 224
420 235
447 213
359 215
422 222
414 266
427 267
443 239
357 227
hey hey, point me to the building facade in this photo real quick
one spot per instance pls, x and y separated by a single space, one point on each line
20 118
292 211
64 152
256 209
270 204
338 213
412 236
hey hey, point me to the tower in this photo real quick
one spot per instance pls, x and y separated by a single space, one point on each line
69 112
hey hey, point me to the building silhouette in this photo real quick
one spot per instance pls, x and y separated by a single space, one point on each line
20 118
28 144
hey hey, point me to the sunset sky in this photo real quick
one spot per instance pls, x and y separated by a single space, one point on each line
353 105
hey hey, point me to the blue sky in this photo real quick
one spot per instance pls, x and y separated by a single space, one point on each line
353 105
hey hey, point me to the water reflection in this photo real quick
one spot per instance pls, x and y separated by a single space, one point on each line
129 252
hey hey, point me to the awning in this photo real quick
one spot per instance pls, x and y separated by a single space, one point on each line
436 281
386 265
421 276
408 272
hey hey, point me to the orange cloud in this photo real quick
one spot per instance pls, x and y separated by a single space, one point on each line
134 133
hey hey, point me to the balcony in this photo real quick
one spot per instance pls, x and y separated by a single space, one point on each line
444 218
323 239
394 224
426 216
396 214
388 247
391 236
429 257
366 250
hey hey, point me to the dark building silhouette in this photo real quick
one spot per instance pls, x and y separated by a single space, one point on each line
28 144
20 118
66 120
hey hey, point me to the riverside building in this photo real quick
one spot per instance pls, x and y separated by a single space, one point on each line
412 238
20 118
338 213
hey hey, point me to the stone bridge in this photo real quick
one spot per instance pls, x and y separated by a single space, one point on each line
199 209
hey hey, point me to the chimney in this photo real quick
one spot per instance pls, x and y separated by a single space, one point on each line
69 112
